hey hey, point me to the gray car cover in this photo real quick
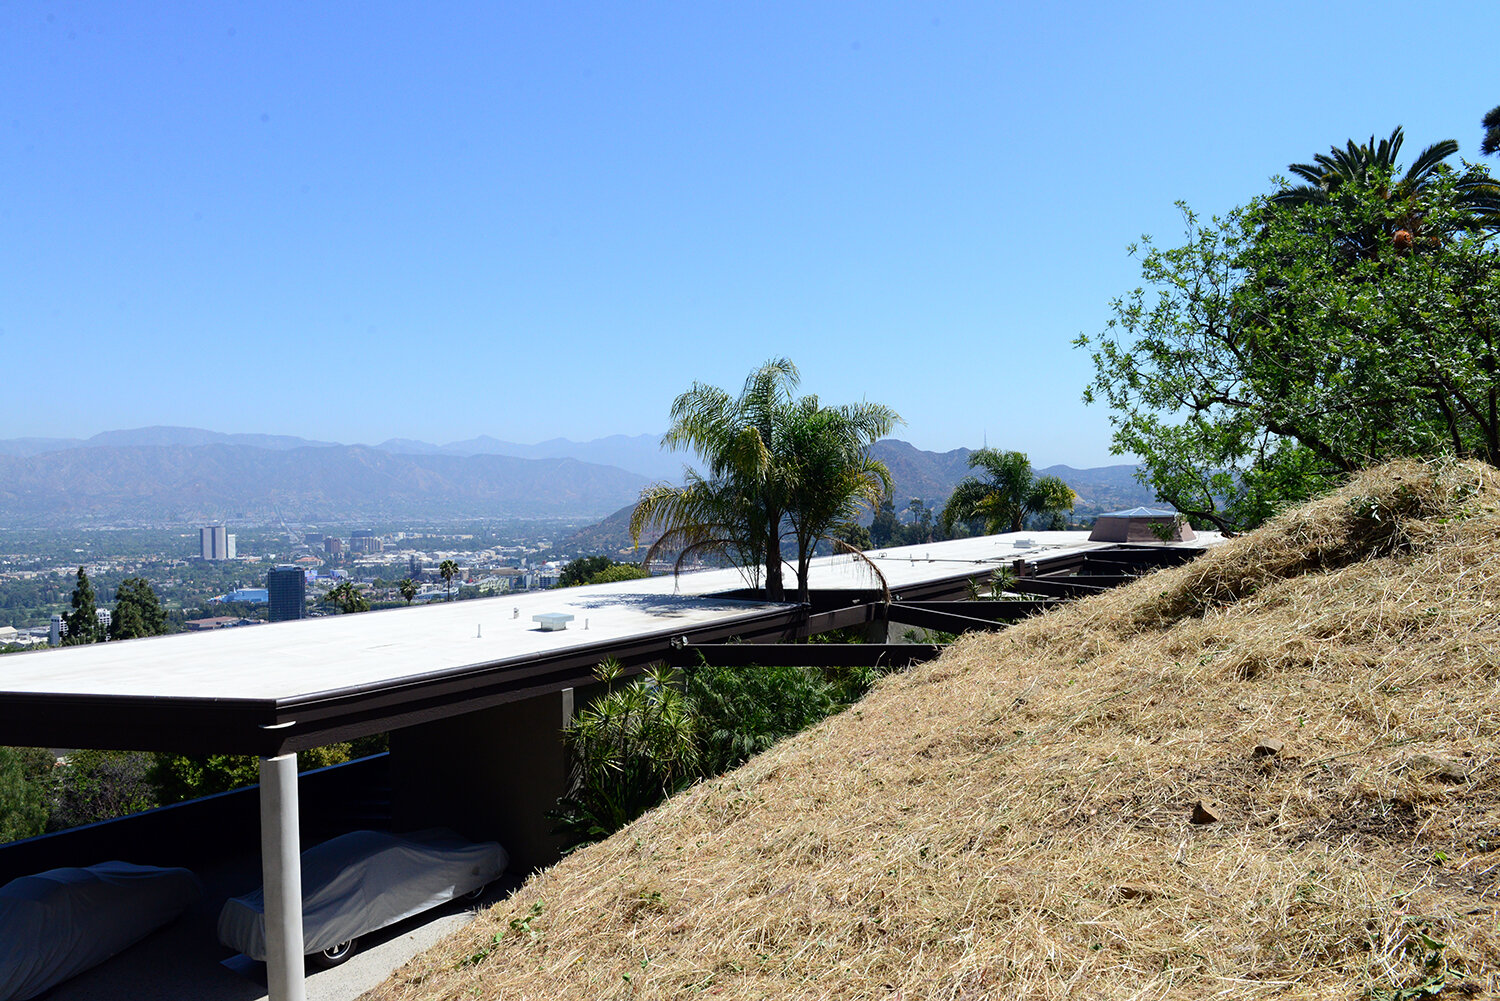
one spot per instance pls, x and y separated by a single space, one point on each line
58 923
363 881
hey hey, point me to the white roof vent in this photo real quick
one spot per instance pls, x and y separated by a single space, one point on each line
552 622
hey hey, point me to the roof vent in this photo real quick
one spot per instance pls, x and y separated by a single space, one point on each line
552 622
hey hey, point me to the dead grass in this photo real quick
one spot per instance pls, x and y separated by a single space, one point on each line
1012 820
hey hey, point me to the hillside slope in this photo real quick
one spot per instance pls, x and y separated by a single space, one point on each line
1015 819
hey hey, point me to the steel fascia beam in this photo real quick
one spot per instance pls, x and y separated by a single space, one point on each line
805 654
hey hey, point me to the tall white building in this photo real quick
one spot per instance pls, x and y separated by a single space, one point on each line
213 542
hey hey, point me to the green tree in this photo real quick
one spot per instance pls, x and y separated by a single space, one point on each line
100 785
1006 495
578 571
24 801
619 571
176 777
137 612
408 589
853 535
448 570
1490 145
884 526
775 467
629 750
83 620
1296 340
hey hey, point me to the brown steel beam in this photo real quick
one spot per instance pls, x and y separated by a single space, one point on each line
805 654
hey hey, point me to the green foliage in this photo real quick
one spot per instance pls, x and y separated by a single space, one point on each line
578 571
100 785
885 526
853 535
347 598
997 587
618 572
743 711
137 612
645 740
83 620
1006 495
1308 335
629 750
408 589
24 802
177 777
1490 144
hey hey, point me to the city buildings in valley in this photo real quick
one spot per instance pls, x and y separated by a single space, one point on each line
215 543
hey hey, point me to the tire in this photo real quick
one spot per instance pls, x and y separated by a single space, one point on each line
335 955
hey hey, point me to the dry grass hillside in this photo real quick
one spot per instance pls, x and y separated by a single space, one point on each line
1017 818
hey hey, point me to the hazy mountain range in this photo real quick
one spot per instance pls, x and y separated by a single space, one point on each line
164 475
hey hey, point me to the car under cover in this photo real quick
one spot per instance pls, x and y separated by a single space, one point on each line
56 924
365 880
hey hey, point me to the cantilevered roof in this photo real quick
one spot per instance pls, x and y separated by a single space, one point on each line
292 685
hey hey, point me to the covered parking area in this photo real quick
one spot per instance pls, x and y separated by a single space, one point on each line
474 693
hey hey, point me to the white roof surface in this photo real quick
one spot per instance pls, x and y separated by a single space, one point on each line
290 659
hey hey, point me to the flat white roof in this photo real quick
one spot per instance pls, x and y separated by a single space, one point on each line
290 659
407 662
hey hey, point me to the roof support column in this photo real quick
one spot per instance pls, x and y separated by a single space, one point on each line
281 871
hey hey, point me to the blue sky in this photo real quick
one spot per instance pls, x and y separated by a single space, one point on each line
362 221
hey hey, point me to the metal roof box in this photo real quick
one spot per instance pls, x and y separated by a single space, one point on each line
552 622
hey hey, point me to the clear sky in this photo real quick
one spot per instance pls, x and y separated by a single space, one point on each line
437 220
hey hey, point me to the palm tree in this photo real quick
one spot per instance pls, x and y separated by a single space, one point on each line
1007 495
448 570
736 507
774 466
347 598
408 589
1372 166
832 475
1490 145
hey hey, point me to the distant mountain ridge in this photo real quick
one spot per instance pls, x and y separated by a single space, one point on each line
163 484
641 454
176 474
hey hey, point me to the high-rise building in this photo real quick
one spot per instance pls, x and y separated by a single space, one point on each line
365 541
286 588
213 542
333 545
229 550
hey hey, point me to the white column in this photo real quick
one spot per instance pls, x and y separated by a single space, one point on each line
281 870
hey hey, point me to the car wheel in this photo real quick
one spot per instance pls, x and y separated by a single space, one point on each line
335 955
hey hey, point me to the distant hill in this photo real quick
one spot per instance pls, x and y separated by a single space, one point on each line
160 435
156 474
152 484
